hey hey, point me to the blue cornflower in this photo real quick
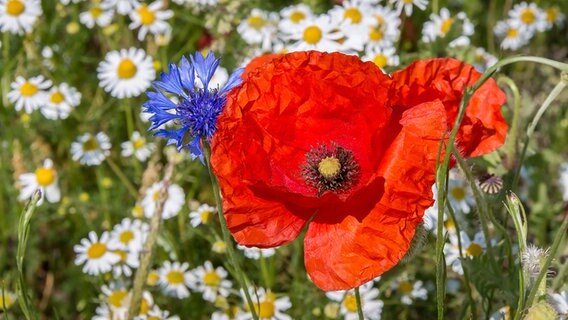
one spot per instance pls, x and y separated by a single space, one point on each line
198 108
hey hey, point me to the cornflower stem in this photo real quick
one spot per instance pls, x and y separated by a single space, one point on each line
537 287
241 278
123 178
359 305
148 252
532 126
514 131
442 168
23 236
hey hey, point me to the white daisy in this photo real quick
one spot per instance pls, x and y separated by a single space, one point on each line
201 215
91 150
129 259
529 16
259 28
460 195
219 246
370 303
130 234
138 147
563 180
29 94
407 5
97 254
318 33
292 15
512 35
156 314
7 299
43 178
471 248
409 290
559 302
96 15
382 57
354 18
268 306
61 100
122 7
483 60
126 73
174 202
554 17
116 299
175 279
150 18
102 312
255 253
384 28
440 25
210 282
19 16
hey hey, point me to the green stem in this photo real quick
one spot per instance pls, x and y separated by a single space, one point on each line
148 252
359 306
514 131
241 278
264 271
490 24
123 178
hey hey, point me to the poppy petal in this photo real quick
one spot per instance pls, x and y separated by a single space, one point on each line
483 128
348 253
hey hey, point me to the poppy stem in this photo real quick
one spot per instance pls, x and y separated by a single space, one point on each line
241 278
359 306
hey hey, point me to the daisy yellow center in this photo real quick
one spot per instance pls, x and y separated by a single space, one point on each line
126 69
380 60
375 34
512 33
57 97
6 301
15 7
28 89
90 145
45 176
450 224
380 20
96 12
205 216
527 16
350 303
147 16
138 211
266 309
116 298
211 279
256 22
138 143
96 250
474 250
144 306
153 278
405 287
297 16
175 277
551 14
407 1
458 193
126 236
329 167
446 25
312 34
122 254
353 14
156 195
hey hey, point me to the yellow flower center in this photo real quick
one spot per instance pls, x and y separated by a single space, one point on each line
96 12
28 89
138 143
15 7
83 196
45 176
256 22
138 211
90 145
458 193
147 16
474 250
380 60
175 277
527 16
551 14
405 287
350 303
211 279
312 34
375 34
353 14
407 1
57 97
266 309
512 33
126 69
6 301
156 195
297 16
122 254
144 306
116 298
96 250
153 278
126 236
450 224
205 216
329 167
446 25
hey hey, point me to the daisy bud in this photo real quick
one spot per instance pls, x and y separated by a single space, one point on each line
331 310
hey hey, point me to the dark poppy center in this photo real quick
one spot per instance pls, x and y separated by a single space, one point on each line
330 168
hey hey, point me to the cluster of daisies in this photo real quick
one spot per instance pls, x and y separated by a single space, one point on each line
524 21
361 27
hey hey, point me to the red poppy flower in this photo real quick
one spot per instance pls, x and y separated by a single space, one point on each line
313 138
